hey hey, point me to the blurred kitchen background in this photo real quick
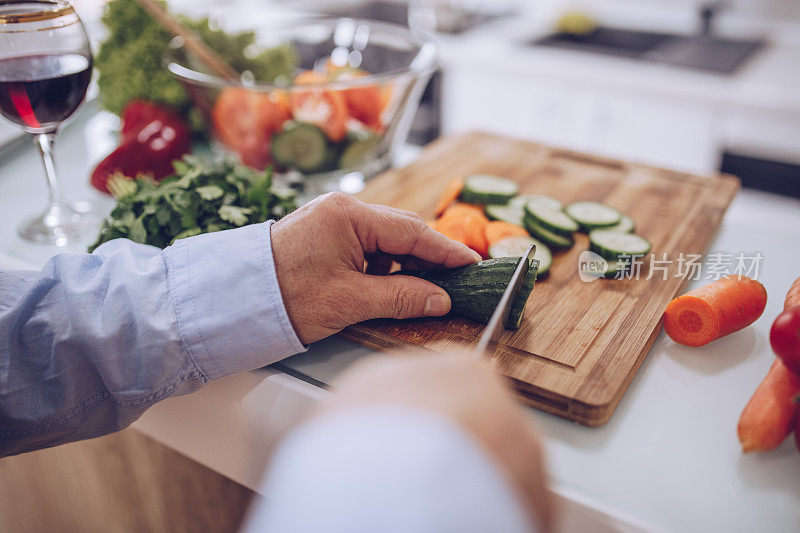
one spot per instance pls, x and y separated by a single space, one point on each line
693 85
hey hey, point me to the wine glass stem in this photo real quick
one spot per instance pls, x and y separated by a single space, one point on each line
46 143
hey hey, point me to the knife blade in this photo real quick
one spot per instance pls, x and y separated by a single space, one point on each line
493 330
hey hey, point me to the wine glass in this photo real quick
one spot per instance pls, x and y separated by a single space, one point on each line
45 68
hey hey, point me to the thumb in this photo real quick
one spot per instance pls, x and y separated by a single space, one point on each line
401 297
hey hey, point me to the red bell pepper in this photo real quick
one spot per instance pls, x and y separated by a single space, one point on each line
151 139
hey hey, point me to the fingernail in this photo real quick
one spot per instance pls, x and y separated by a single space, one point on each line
436 305
477 256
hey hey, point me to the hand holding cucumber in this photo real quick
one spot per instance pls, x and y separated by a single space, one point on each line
320 251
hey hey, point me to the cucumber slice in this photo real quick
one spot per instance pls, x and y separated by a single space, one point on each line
612 244
359 149
550 238
625 225
513 214
516 246
536 199
301 146
555 221
486 189
592 215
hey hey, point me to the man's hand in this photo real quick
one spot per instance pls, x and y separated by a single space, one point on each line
470 394
320 251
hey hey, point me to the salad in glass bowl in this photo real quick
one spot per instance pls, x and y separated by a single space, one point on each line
340 114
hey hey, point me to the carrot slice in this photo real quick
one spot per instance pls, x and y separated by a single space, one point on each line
461 210
449 196
452 228
475 227
715 310
770 414
497 230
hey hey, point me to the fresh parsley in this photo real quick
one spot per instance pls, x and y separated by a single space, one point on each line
204 195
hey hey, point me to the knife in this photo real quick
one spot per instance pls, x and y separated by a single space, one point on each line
493 330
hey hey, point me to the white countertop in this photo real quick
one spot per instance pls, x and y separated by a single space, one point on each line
669 457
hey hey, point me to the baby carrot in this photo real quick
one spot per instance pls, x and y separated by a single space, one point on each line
449 196
715 310
770 414
497 230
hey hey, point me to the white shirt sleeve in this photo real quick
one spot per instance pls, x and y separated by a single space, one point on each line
385 469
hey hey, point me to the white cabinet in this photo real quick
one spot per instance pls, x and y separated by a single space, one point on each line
677 133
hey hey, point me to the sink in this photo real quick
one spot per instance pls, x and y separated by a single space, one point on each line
701 52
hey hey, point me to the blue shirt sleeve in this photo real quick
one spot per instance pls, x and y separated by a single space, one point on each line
92 340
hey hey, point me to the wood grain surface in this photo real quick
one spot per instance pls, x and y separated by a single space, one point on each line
125 483
580 343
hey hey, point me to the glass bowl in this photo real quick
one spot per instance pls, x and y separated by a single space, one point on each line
341 116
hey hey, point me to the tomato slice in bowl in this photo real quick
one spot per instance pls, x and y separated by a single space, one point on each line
245 121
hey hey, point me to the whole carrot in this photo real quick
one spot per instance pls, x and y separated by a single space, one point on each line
771 413
715 310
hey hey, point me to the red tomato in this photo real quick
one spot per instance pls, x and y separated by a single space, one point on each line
323 108
785 338
364 102
245 121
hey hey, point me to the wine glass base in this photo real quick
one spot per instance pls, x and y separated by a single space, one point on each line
62 225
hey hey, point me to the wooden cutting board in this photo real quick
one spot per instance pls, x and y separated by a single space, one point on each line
580 343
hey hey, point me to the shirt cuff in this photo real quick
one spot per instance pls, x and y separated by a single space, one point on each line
227 301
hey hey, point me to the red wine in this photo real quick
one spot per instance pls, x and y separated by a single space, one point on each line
40 91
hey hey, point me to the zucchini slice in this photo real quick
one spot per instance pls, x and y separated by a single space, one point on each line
592 215
301 146
612 244
360 147
486 189
513 214
550 238
517 245
550 219
475 290
536 199
625 225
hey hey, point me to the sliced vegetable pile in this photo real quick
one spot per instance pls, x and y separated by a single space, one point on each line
488 214
314 129
774 410
475 290
202 196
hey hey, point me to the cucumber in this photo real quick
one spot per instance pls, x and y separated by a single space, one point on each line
486 189
516 246
475 290
624 225
550 238
302 146
536 199
612 244
592 215
513 214
360 147
551 219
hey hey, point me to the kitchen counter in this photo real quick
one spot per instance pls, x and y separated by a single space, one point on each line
668 458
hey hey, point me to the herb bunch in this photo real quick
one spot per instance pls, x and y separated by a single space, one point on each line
204 195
